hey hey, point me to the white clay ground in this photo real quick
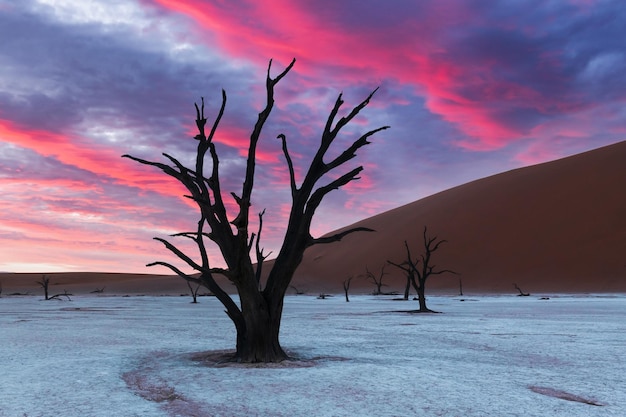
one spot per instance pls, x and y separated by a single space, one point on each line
485 356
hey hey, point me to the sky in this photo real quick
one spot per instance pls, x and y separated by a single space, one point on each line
469 88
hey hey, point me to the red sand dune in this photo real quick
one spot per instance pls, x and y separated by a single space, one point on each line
557 226
554 227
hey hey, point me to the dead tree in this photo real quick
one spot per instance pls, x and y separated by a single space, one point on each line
521 293
44 283
297 290
0 288
194 291
346 287
376 280
97 291
422 268
58 296
258 316
410 277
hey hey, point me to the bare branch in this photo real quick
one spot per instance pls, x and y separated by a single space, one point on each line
443 271
181 255
219 116
188 277
260 257
282 74
165 168
241 221
177 271
213 182
338 236
351 151
318 195
58 296
345 120
190 235
292 175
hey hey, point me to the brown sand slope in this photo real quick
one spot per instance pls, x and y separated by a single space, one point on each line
554 227
557 226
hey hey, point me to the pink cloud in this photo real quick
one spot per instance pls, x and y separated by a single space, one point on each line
89 156
423 58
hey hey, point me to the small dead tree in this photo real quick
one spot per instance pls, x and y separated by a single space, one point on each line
44 283
194 291
297 290
376 279
258 314
521 293
97 291
58 296
422 268
410 276
346 287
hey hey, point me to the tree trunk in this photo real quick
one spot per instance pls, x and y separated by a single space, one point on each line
258 336
421 296
407 288
258 341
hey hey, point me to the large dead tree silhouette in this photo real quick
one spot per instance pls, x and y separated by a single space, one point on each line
257 318
419 270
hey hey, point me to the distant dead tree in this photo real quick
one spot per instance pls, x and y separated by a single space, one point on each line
346 286
376 279
297 290
194 291
44 283
58 296
97 291
258 315
18 294
422 267
521 293
0 288
410 276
